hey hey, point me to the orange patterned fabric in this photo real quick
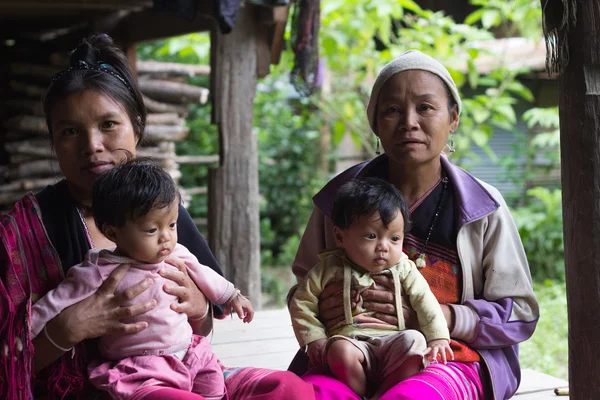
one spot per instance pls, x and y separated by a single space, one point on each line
443 273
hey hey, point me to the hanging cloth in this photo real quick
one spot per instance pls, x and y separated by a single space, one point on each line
225 10
306 75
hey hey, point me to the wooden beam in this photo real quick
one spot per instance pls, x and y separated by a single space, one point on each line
263 50
579 108
234 234
271 36
278 38
149 25
41 5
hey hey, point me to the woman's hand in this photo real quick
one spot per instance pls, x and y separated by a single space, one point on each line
192 301
379 298
101 313
315 352
331 304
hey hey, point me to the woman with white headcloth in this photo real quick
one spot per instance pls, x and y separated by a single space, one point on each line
463 239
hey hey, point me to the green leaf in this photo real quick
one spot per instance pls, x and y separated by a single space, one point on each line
442 45
507 111
520 89
356 139
480 115
384 9
473 74
473 53
329 45
331 5
411 6
490 18
479 137
459 77
339 130
384 29
474 16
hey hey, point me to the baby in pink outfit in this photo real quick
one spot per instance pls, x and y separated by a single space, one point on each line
166 353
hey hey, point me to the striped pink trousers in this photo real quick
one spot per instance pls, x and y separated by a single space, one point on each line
451 381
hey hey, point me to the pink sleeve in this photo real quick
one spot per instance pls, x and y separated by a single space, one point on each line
218 289
82 281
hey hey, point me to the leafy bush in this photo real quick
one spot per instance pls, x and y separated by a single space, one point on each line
547 351
540 227
288 149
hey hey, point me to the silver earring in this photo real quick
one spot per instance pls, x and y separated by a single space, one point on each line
377 147
451 143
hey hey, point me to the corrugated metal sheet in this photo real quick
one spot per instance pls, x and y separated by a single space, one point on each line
514 53
488 170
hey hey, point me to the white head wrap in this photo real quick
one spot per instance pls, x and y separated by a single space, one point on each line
410 60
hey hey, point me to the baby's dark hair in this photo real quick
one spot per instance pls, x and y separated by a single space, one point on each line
362 197
130 190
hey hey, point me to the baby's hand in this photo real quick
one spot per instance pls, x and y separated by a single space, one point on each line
315 352
439 347
242 307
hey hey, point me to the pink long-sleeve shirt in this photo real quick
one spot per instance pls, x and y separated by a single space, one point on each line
168 331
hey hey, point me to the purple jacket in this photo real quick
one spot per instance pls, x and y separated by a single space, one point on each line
498 309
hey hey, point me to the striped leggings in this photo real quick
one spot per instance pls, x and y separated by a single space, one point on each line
451 381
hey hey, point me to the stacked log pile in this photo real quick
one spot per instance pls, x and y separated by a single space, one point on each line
31 164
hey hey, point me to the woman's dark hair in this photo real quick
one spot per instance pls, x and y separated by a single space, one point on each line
451 102
362 197
130 190
95 51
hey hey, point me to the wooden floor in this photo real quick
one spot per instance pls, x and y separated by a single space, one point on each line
269 342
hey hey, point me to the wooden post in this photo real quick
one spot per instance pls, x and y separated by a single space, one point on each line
579 107
233 232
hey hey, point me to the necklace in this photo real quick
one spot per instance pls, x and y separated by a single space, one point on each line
420 261
86 228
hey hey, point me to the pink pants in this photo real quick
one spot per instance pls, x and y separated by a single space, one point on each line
198 372
453 381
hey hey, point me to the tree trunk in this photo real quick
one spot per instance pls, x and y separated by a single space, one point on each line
173 92
580 165
325 138
234 233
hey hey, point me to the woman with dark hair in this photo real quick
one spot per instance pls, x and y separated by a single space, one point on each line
96 116
463 240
